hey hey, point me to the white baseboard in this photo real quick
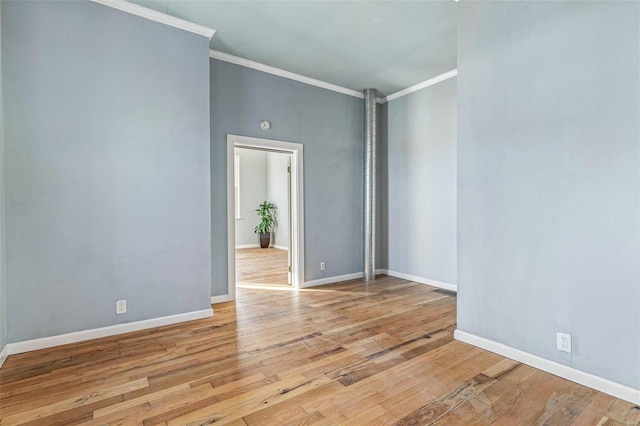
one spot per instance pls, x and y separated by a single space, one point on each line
586 379
220 299
4 353
332 280
244 246
340 278
419 280
81 336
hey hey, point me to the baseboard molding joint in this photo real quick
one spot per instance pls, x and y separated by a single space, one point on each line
586 379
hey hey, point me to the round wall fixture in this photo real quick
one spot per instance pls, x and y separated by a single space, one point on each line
265 125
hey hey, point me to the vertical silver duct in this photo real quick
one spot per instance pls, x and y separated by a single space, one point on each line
370 139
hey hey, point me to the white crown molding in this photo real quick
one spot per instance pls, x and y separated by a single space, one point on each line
595 382
96 333
156 16
419 280
420 86
226 57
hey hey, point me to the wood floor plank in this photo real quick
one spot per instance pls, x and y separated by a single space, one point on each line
291 409
592 414
261 266
70 403
351 353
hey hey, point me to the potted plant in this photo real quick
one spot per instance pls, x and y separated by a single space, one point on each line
266 212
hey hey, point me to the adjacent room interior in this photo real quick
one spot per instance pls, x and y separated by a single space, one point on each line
262 176
455 188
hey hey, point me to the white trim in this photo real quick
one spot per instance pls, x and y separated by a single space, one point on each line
332 280
226 57
154 15
586 379
275 246
4 353
420 86
297 202
220 299
245 246
236 184
96 333
340 278
419 280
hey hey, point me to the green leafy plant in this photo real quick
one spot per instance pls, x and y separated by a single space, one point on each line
267 214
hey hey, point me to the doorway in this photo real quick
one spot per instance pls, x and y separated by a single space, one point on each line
262 176
286 252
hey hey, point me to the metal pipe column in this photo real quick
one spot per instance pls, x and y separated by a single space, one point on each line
370 139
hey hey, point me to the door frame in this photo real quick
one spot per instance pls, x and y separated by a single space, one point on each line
297 205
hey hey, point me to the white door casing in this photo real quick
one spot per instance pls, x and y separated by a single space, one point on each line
296 216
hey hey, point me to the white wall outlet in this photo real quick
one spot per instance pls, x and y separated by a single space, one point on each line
121 307
563 342
322 266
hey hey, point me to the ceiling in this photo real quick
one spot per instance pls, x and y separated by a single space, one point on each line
387 45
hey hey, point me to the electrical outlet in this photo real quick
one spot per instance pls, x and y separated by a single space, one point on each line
121 307
322 266
563 342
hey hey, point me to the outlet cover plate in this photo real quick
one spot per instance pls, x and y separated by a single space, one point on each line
121 307
563 342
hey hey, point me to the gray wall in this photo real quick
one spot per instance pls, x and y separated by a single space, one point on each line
106 167
549 180
253 191
330 125
421 168
3 287
278 184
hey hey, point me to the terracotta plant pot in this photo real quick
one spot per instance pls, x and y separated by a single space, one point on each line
265 239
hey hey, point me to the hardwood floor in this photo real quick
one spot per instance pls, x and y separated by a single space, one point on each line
258 266
349 353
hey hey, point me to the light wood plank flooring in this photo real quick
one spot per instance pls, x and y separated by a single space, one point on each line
349 353
258 266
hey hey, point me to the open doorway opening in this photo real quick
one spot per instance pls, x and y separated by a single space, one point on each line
262 187
264 171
